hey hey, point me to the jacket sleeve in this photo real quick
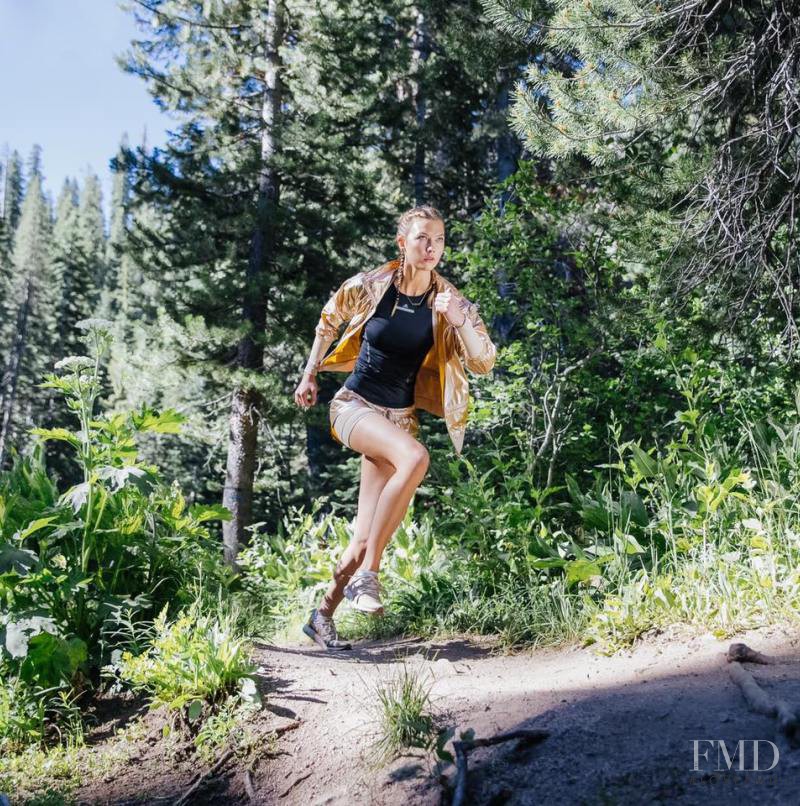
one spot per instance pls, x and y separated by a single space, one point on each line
484 361
339 309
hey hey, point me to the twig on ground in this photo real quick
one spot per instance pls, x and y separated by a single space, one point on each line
220 762
298 780
196 785
759 701
461 749
286 728
248 782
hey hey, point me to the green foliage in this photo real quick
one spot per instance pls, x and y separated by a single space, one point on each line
402 703
22 714
77 568
229 720
625 86
194 659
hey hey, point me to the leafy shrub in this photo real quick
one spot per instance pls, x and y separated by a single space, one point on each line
196 658
290 569
76 568
22 714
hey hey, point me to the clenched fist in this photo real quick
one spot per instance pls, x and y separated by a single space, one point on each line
306 393
447 303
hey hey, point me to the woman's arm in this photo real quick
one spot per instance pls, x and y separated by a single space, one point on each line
336 311
472 341
305 394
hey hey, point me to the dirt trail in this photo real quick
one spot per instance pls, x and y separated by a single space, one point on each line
621 728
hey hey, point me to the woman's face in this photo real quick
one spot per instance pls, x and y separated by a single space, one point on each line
424 243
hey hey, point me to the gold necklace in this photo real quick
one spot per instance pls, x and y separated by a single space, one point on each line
410 299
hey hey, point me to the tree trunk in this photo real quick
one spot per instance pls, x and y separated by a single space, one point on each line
507 145
243 432
421 51
11 374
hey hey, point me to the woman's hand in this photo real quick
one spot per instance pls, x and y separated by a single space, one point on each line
446 303
306 393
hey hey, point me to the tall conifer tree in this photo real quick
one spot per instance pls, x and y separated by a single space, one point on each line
34 296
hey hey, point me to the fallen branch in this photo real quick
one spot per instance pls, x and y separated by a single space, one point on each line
286 728
758 700
220 762
196 785
294 783
461 749
248 783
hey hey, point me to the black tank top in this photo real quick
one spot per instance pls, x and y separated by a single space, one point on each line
393 349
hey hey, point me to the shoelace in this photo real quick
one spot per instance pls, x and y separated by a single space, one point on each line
366 583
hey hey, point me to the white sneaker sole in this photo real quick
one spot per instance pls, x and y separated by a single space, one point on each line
371 607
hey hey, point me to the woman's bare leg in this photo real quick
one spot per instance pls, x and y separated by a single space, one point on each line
374 475
376 437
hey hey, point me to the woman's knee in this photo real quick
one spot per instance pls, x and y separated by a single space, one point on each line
415 460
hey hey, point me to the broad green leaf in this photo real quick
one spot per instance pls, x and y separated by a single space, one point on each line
16 559
168 421
644 463
581 571
34 526
194 710
61 434
212 512
76 496
19 633
634 505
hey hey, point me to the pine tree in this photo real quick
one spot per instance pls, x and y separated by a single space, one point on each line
33 297
10 207
236 257
690 115
122 283
91 242
12 190
66 263
319 185
78 254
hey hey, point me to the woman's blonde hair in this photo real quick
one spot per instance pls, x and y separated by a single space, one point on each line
403 225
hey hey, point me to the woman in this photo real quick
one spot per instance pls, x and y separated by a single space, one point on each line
409 334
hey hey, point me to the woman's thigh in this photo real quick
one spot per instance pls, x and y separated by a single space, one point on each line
379 439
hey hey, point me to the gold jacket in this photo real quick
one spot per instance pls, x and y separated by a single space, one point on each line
441 386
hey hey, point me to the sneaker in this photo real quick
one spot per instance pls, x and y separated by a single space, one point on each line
322 630
364 592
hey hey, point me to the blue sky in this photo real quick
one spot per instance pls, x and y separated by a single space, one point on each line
60 86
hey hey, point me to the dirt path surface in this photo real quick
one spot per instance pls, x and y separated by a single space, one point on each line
621 727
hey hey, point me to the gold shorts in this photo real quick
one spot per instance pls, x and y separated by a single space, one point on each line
348 407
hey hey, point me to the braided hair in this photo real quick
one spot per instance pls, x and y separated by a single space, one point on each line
403 225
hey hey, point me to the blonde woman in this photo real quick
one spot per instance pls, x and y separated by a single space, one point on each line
409 335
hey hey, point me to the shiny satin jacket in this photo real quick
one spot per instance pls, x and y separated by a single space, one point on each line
441 387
